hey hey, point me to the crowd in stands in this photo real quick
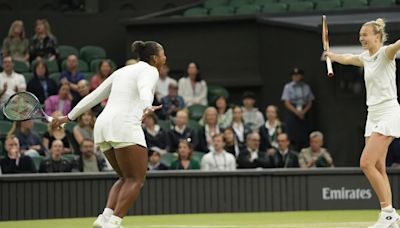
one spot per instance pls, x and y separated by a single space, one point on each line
189 132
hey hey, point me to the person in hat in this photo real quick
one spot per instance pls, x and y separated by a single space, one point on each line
297 97
155 160
251 115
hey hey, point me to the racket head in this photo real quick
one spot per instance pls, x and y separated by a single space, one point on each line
23 106
325 34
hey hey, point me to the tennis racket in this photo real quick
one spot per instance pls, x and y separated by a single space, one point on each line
24 106
325 44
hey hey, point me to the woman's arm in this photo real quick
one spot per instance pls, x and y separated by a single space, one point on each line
78 135
345 59
392 49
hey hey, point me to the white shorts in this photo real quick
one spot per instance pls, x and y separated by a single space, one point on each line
104 146
384 119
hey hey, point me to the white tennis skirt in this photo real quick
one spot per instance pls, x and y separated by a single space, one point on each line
384 119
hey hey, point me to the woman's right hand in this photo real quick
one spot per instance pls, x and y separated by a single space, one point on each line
59 121
329 54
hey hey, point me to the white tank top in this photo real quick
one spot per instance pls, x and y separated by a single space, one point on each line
380 77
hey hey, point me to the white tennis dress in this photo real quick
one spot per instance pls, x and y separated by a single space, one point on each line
129 90
380 82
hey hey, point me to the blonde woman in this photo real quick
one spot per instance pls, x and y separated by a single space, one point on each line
53 134
383 121
16 44
43 43
84 129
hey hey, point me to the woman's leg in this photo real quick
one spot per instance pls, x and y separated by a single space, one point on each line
132 161
113 194
375 150
381 167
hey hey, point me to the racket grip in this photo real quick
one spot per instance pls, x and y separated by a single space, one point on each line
329 67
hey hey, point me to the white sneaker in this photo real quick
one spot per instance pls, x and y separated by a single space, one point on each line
100 221
387 220
109 225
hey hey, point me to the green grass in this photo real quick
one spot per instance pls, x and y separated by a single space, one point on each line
324 219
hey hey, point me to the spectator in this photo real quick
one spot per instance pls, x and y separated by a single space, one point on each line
29 141
218 158
172 102
251 115
43 43
60 102
89 161
231 143
224 112
251 156
315 155
16 44
283 156
272 127
10 81
155 136
193 88
155 161
185 161
71 74
14 161
104 70
83 91
84 128
241 130
55 163
393 157
210 128
56 134
297 97
41 85
163 83
181 132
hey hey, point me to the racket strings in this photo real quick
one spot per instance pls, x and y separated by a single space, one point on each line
21 107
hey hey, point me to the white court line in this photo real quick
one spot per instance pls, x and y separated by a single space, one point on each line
316 225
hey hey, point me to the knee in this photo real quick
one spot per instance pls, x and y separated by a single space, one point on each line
139 180
366 165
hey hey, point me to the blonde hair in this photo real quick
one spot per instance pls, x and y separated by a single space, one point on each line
12 27
378 27
47 27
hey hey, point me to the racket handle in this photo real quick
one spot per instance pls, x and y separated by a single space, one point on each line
329 67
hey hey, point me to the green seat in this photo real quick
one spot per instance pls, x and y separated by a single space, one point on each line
196 111
37 160
164 124
382 3
194 124
301 6
214 91
238 3
28 76
214 3
290 1
264 2
328 5
20 66
248 10
69 127
67 50
354 4
52 66
222 11
94 65
82 65
40 128
89 53
2 150
5 127
88 75
168 158
197 156
55 76
275 8
69 157
196 12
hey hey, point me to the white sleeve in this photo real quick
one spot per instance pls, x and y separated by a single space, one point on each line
92 99
232 165
202 98
21 83
204 164
146 83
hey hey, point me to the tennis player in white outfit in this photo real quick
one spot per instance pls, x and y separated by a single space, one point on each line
118 131
383 120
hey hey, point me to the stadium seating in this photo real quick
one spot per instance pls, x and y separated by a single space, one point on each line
301 6
88 75
354 4
196 111
275 8
214 91
215 3
5 127
196 12
37 160
89 53
382 3
20 66
94 65
52 66
66 50
40 128
239 3
197 156
194 124
248 9
82 66
168 158
70 126
164 124
328 5
2 150
222 11
264 2
55 76
28 76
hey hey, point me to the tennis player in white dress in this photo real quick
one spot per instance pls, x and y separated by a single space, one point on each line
118 131
383 120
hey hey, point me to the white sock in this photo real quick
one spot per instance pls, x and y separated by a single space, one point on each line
108 212
115 220
388 208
